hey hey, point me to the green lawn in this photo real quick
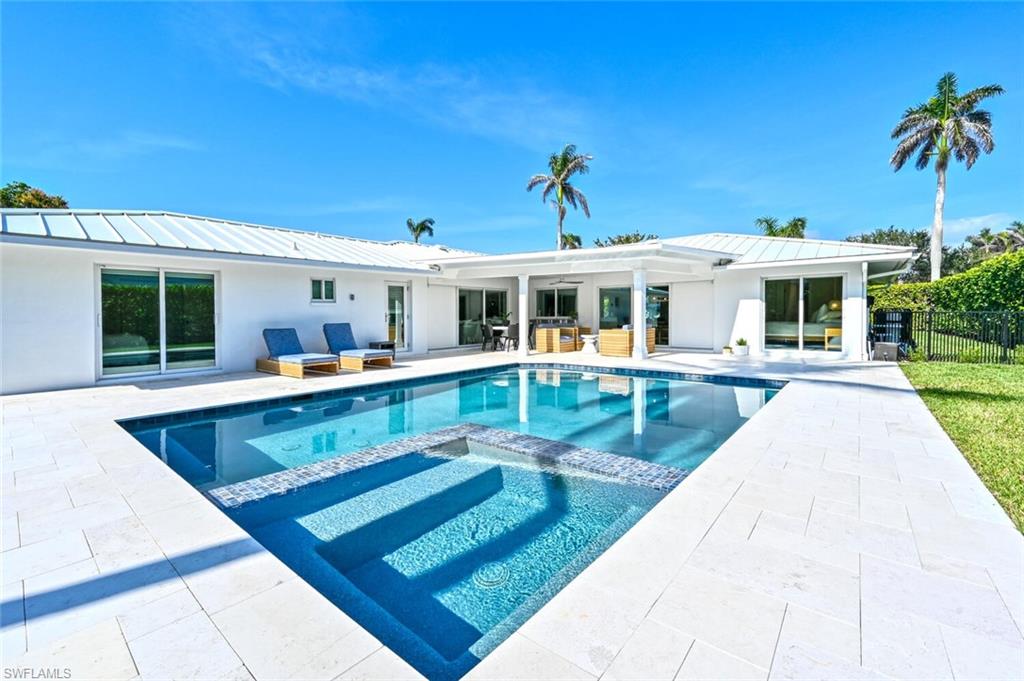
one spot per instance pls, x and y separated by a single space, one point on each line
981 406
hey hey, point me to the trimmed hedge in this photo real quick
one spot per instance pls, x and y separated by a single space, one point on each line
996 284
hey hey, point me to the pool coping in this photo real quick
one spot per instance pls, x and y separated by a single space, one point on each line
622 614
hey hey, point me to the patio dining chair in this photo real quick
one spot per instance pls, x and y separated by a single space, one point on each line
489 338
510 340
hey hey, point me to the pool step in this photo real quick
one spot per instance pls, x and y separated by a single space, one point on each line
379 521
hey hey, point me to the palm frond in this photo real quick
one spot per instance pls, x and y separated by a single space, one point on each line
968 101
910 144
912 120
579 197
536 180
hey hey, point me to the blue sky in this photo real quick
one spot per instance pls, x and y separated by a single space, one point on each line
351 118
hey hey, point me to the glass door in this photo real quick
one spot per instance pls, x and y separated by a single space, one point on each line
471 313
803 313
615 307
657 312
397 315
189 321
154 321
781 314
130 314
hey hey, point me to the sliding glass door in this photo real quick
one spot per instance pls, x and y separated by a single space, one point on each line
477 306
657 312
156 321
189 320
397 315
614 307
803 313
131 322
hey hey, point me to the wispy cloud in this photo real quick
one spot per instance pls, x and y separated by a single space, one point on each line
283 54
100 151
964 227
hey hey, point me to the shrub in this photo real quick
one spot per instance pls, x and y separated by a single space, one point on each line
969 356
917 355
996 284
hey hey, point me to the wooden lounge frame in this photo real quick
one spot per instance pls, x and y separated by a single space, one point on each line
359 364
295 370
619 342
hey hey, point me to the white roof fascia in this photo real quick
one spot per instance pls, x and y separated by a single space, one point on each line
894 256
173 252
626 253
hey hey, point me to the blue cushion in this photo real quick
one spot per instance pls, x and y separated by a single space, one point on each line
282 342
365 354
306 358
339 337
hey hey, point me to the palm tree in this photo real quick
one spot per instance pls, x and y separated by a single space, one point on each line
634 237
563 166
1016 233
571 240
794 229
986 244
948 124
418 229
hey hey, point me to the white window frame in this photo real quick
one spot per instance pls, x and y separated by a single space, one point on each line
161 273
322 281
800 308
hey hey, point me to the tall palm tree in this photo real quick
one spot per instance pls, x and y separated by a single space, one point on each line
563 166
571 240
1016 233
794 229
418 229
948 124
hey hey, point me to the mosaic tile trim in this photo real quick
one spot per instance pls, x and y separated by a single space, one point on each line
624 468
145 422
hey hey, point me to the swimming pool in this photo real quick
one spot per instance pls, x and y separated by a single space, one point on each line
440 514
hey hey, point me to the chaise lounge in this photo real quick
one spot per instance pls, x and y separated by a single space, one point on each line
287 358
342 344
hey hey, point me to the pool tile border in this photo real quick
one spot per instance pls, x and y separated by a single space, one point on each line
622 468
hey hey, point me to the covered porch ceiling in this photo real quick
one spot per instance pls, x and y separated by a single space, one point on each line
650 257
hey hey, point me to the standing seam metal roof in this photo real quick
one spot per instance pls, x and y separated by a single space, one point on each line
750 248
195 233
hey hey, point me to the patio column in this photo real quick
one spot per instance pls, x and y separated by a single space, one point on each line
639 314
524 396
524 315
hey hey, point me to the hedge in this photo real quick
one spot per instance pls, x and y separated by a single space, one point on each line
996 284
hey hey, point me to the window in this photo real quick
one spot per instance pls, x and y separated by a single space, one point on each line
615 307
323 291
557 302
803 313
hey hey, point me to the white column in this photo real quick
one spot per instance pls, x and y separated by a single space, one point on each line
639 314
862 341
524 315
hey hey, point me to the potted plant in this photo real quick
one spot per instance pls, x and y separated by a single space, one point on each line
741 349
726 349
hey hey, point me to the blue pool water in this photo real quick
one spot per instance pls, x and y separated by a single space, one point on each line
442 553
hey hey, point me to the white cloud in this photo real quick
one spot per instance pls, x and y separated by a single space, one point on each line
100 151
283 54
964 227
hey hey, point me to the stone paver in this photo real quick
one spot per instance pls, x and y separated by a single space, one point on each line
838 534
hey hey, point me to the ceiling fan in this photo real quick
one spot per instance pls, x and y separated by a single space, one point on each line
563 280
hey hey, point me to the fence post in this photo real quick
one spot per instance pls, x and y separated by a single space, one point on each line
928 342
1005 340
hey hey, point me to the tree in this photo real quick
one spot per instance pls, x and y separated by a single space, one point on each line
563 166
987 243
794 229
633 237
571 240
21 195
954 260
947 125
418 229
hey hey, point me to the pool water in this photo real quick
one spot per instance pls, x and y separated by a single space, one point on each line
443 551
675 423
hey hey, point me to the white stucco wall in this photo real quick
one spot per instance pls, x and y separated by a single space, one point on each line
50 307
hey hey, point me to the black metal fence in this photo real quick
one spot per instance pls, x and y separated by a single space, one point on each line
946 336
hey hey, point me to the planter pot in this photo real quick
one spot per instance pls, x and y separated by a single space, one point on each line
726 351
741 350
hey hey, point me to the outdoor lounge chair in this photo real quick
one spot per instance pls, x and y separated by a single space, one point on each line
287 358
342 344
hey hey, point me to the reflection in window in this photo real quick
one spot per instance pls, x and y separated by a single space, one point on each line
615 307
823 313
782 313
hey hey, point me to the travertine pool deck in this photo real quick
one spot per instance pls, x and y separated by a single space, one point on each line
838 534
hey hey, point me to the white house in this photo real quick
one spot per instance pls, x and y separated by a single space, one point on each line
90 296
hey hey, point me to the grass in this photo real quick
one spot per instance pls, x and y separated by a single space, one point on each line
981 407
